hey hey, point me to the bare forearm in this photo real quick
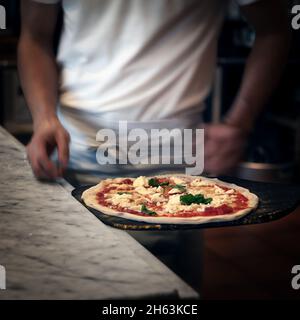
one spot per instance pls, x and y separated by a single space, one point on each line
39 78
265 63
262 73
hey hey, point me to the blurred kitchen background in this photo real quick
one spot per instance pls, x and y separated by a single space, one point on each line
246 262
273 153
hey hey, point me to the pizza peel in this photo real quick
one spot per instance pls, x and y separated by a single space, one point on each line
275 202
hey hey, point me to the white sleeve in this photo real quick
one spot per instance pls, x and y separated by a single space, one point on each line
245 2
46 1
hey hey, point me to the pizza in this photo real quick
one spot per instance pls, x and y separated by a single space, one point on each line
171 199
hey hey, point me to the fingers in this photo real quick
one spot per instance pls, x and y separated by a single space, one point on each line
223 149
211 149
223 161
63 140
216 166
37 170
42 166
46 166
220 157
41 146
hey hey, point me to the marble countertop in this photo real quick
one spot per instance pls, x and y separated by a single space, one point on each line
53 248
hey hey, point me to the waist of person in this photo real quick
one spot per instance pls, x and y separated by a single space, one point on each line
190 118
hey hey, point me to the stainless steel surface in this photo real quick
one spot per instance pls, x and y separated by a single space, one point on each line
266 172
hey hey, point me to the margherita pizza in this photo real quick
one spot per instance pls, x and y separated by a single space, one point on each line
172 199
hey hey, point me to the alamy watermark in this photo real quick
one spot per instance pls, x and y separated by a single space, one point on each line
2 278
296 17
2 18
296 279
152 147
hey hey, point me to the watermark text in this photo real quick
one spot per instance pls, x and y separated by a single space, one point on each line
296 17
2 278
162 146
296 279
2 18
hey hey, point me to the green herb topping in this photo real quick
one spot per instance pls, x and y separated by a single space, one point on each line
180 187
188 199
153 182
145 210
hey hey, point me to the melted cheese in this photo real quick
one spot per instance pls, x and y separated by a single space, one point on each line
218 200
140 182
173 204
198 183
142 190
147 191
178 180
175 191
121 199
157 197
218 190
174 200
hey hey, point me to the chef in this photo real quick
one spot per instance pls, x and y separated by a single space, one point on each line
150 63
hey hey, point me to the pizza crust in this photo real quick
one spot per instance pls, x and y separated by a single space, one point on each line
90 199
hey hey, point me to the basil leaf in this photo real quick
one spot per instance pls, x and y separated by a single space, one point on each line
153 182
207 200
180 187
145 210
120 193
189 198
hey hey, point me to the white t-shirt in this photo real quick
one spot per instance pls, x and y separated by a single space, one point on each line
137 60
150 58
